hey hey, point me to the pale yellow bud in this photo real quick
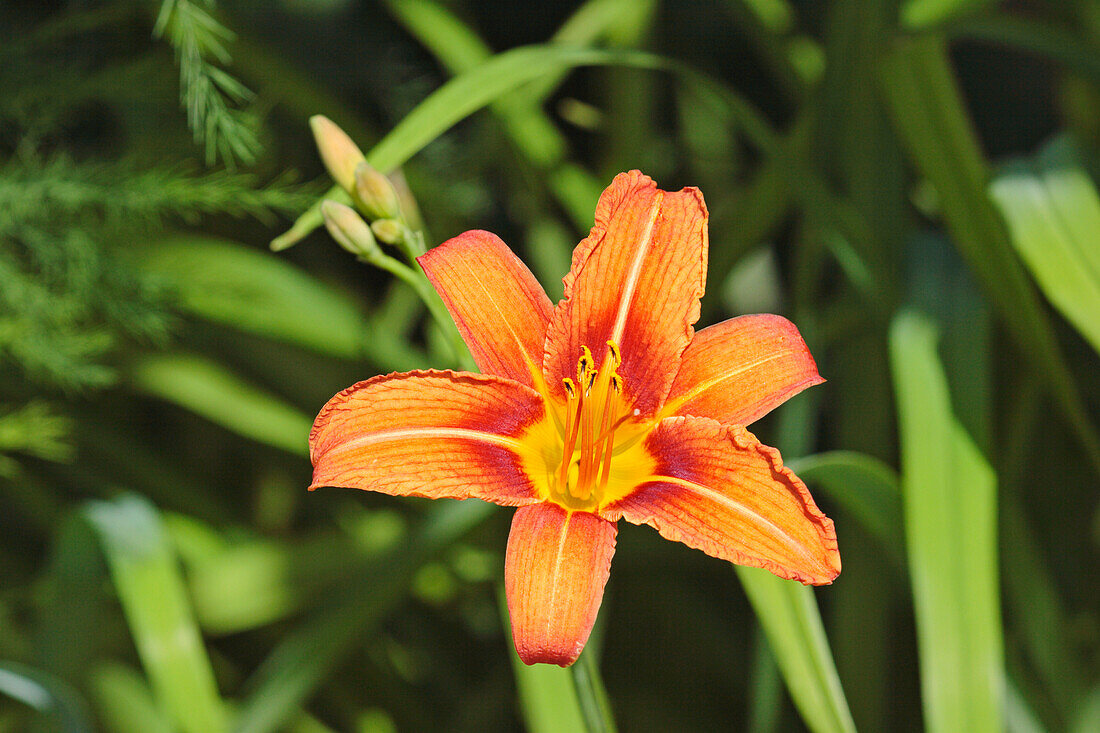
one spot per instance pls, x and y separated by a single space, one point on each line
390 231
349 230
339 153
376 193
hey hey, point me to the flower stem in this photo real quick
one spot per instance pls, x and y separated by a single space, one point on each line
420 285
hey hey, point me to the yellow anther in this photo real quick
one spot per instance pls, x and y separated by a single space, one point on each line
584 365
570 388
616 357
591 380
616 383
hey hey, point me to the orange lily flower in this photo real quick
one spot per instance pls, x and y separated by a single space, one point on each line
603 407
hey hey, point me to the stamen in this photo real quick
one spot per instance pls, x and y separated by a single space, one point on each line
594 411
584 365
616 358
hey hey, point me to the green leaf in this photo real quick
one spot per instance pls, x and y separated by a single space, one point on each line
930 117
208 389
300 661
591 694
250 290
1053 215
259 581
54 698
124 702
788 614
950 504
1087 717
865 486
149 584
923 13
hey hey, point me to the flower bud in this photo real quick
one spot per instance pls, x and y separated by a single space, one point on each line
390 231
338 152
376 193
349 230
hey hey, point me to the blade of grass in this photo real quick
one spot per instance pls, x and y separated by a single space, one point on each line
471 91
789 616
300 661
930 117
59 704
124 702
1032 35
865 486
149 584
247 289
950 505
766 688
922 13
1053 215
1087 717
209 389
591 694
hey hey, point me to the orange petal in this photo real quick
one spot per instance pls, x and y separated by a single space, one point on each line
554 573
636 280
498 305
432 434
716 488
739 370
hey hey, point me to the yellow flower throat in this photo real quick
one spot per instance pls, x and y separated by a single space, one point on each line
595 426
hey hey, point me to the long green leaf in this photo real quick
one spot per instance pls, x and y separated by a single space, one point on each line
250 290
147 577
503 73
922 13
865 486
300 661
930 117
950 504
788 614
209 389
1053 215
124 702
54 698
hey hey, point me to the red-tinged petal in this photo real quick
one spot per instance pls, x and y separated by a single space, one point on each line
499 307
716 488
432 434
636 280
554 574
739 370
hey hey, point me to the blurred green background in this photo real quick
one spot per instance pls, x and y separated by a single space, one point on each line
913 183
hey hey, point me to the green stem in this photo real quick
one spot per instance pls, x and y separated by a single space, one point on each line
420 285
592 695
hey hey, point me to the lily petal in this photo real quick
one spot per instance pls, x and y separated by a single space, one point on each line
718 489
635 280
433 434
499 307
555 570
739 370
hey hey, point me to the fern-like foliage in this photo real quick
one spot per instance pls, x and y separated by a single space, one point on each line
119 193
211 96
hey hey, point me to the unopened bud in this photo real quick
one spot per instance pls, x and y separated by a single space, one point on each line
390 231
339 153
349 230
376 193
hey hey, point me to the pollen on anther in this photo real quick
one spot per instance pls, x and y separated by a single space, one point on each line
570 387
616 357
